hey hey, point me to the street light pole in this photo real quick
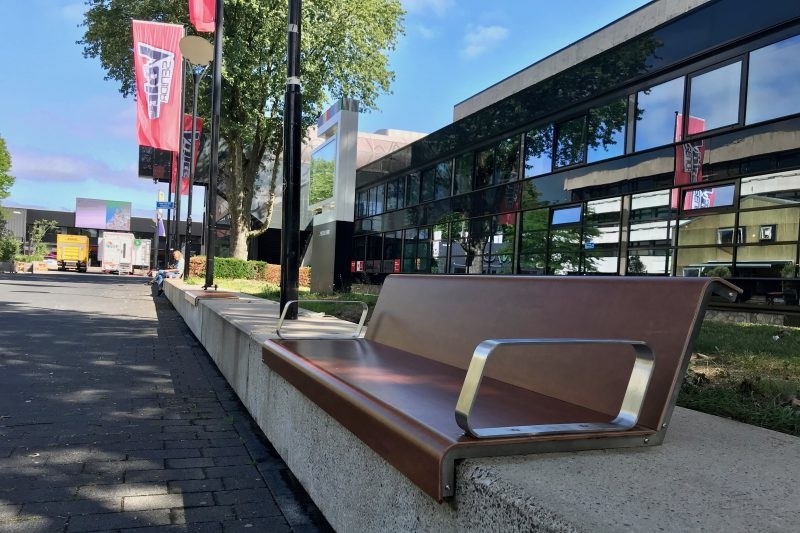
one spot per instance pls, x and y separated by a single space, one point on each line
290 236
199 53
216 98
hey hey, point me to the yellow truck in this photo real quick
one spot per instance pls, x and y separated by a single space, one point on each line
72 251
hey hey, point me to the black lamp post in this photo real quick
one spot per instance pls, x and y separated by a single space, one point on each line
199 53
290 251
216 98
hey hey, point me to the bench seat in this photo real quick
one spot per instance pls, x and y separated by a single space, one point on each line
398 395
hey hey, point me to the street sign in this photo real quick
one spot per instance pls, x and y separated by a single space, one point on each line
165 205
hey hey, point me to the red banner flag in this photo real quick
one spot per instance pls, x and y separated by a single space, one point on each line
202 14
186 152
159 72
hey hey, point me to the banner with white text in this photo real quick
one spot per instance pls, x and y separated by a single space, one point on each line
158 65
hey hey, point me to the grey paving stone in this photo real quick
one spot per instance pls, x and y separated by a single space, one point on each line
196 462
168 501
196 485
167 474
121 490
111 521
206 527
152 410
9 511
250 525
259 509
72 507
34 525
216 513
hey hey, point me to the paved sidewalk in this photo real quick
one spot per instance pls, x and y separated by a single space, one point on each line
114 418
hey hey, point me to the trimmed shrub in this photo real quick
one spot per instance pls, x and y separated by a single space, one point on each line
230 268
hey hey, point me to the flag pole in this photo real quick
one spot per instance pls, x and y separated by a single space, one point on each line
216 98
290 235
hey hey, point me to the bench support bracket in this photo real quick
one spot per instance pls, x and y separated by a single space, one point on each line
626 419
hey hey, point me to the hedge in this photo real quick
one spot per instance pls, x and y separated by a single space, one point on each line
230 268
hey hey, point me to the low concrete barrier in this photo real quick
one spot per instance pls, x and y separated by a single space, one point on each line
710 474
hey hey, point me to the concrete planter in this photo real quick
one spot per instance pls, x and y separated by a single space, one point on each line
22 266
7 266
39 266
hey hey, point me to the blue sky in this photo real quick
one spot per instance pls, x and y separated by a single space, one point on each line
71 134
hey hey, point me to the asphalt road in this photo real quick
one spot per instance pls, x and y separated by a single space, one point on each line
114 418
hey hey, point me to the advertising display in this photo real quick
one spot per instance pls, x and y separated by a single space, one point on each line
323 173
102 214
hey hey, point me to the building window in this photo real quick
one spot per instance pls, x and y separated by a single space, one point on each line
463 177
656 112
443 180
766 233
412 189
708 197
539 151
606 132
507 160
428 185
567 215
571 142
484 168
725 235
714 98
773 81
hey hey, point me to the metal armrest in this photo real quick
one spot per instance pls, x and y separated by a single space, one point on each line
628 413
356 334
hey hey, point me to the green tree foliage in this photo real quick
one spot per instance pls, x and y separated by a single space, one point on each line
344 54
6 179
36 234
321 185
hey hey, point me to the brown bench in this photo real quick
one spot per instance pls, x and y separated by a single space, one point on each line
456 367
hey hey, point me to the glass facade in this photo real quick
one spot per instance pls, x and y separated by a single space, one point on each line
689 166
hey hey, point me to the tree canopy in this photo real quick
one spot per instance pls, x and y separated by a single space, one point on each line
344 45
6 179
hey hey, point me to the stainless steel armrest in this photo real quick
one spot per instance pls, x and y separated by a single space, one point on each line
356 334
628 413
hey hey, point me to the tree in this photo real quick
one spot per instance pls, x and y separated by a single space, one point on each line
343 54
37 232
6 179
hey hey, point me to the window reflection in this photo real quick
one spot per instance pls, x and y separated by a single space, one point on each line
703 230
656 109
538 151
412 189
773 81
606 132
480 245
769 225
443 180
463 176
714 98
571 142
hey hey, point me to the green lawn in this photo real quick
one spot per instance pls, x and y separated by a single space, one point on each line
746 372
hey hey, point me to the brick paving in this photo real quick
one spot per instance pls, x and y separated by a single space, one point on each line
114 418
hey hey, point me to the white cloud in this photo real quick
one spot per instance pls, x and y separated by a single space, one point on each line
426 32
439 7
46 168
480 39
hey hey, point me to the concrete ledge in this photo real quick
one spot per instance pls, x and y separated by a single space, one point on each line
710 474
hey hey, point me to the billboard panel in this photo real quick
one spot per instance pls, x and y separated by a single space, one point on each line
102 214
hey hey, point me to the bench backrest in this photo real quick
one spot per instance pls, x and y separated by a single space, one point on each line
445 317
